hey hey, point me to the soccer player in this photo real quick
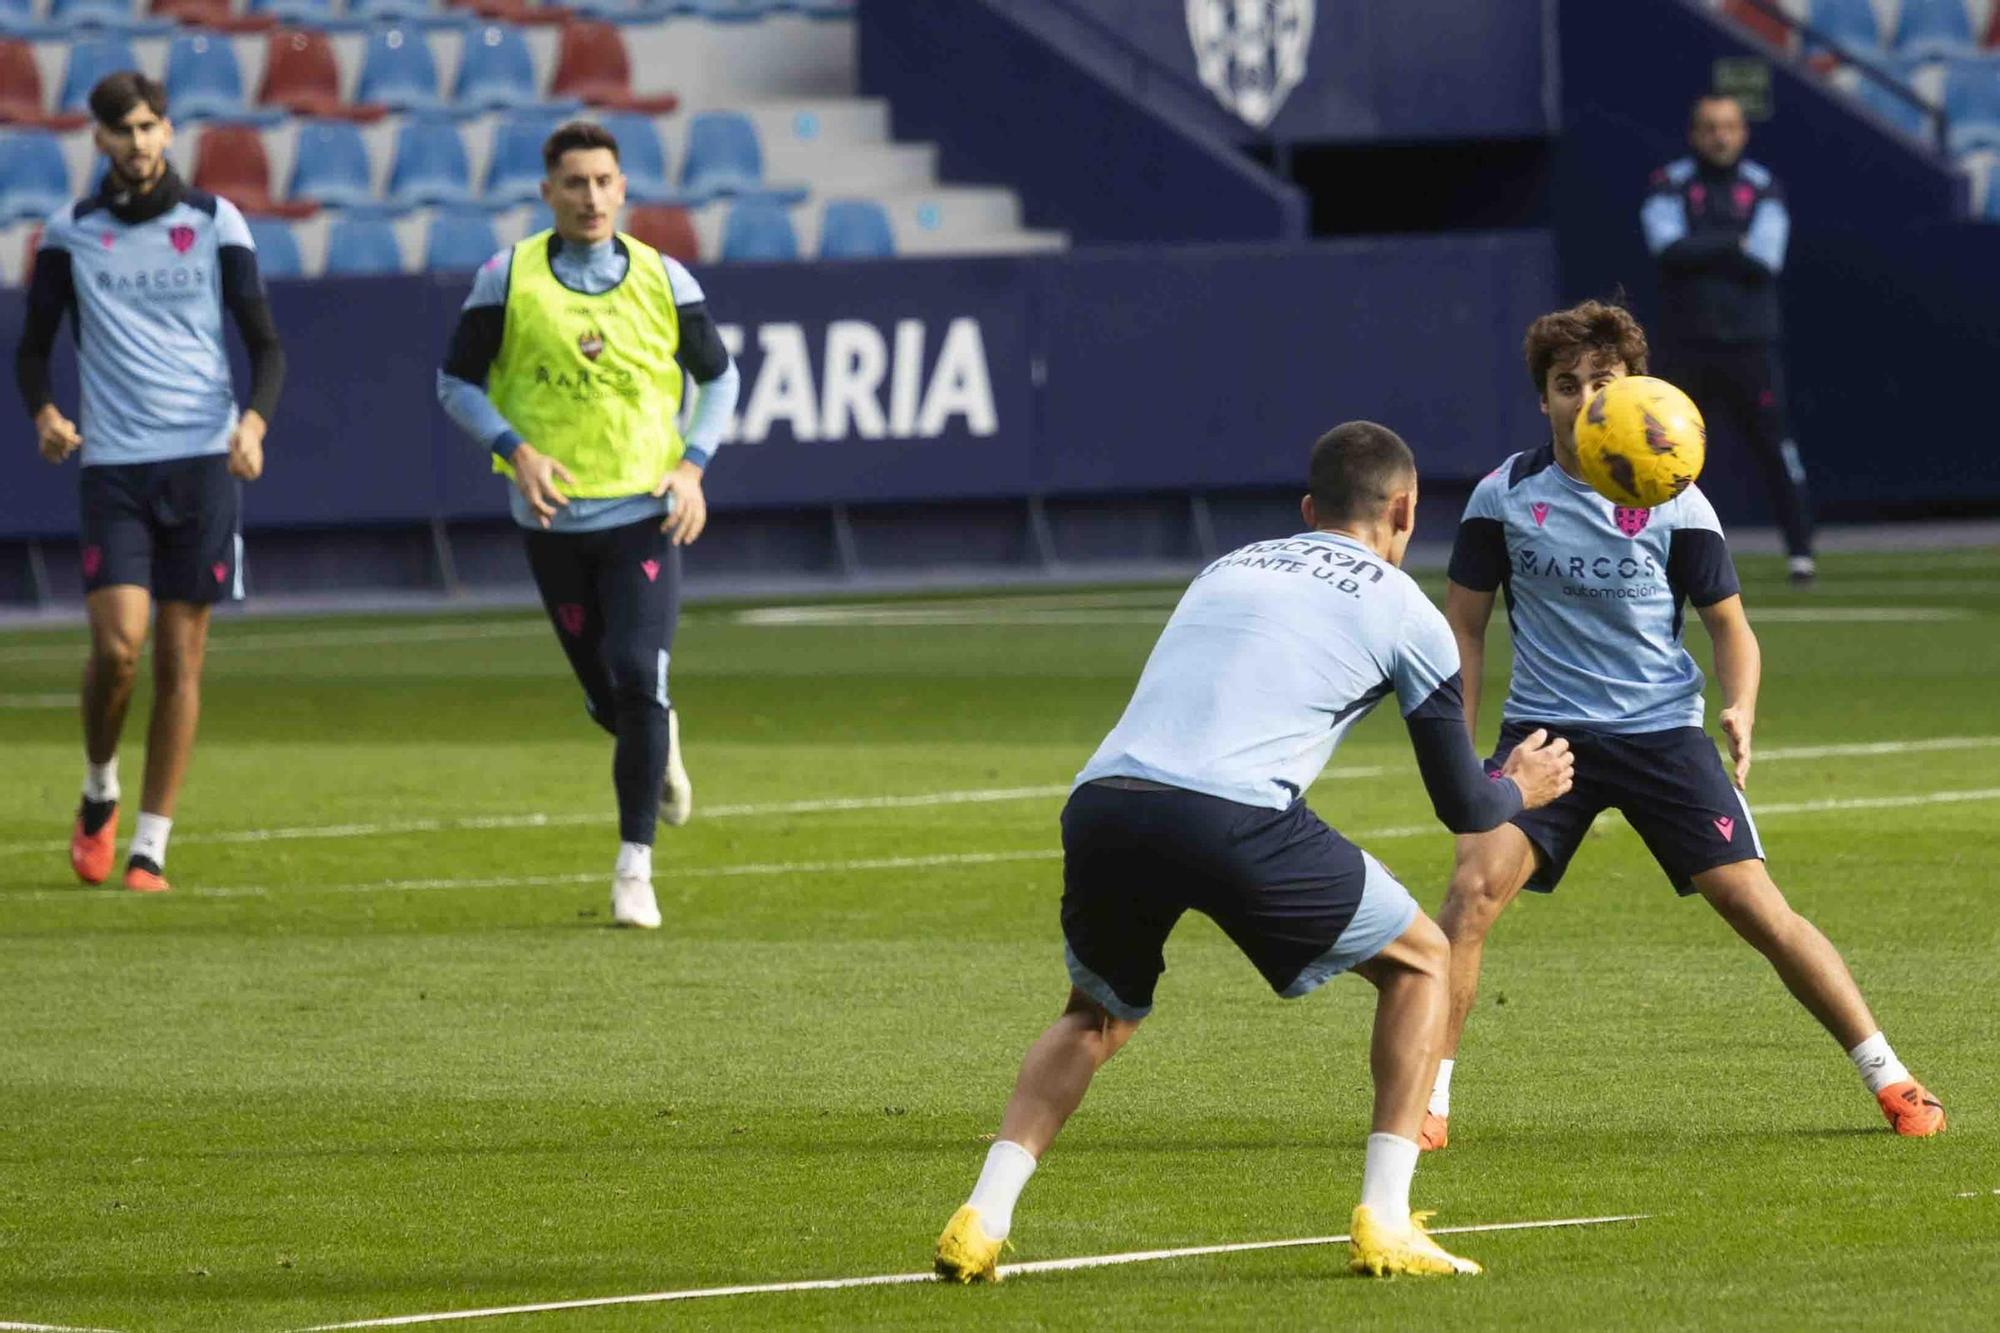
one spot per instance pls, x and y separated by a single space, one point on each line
1595 595
568 363
1195 800
146 266
1716 223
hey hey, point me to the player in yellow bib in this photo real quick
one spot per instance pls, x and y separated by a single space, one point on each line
570 362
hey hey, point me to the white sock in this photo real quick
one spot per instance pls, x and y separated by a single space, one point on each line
100 781
150 838
1385 1179
635 859
1878 1064
1008 1166
1441 1094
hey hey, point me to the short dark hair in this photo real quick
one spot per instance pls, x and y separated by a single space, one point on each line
1694 107
1605 330
1356 467
574 135
116 95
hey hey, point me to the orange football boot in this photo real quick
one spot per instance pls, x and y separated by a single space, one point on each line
1911 1109
141 879
91 854
1434 1134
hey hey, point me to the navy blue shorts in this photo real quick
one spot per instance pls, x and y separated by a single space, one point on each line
1300 901
1670 786
173 527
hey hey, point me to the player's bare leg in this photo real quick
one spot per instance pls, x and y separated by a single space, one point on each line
1487 874
180 645
118 618
1412 999
1814 972
1055 1075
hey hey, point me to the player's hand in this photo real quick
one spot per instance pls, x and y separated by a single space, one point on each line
246 448
1542 768
687 507
535 477
56 434
1737 724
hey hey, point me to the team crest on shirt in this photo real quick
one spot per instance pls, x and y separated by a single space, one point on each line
591 343
182 239
1631 522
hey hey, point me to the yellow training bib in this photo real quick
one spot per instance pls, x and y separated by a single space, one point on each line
591 381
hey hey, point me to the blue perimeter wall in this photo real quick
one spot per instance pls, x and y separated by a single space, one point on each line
1102 373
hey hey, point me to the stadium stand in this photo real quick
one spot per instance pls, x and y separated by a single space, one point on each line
361 245
302 76
34 180
668 229
399 71
593 65
277 248
229 160
1933 29
431 166
331 165
855 229
91 57
459 240
759 229
204 80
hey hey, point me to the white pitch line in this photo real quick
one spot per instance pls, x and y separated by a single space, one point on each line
63 700
51 1328
1978 1194
908 1279
224 640
1858 749
1876 615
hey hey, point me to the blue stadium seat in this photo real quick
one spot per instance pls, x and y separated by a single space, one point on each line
724 158
514 169
825 9
1991 212
90 59
459 241
430 166
363 243
738 11
398 70
759 229
205 82
642 156
1850 23
277 248
331 165
16 14
855 229
1900 112
34 179
379 10
496 71
309 13
1934 29
118 15
1972 103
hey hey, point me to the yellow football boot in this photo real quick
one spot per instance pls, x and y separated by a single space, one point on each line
1381 1250
965 1253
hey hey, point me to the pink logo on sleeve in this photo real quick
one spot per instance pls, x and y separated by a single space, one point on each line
1540 509
1726 827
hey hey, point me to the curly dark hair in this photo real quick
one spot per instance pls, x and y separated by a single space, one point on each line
1605 330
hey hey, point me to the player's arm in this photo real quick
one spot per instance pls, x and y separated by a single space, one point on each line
1769 234
250 306
1478 568
710 370
461 390
1468 611
1739 670
52 292
1663 218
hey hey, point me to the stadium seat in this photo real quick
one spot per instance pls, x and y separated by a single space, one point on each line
824 9
391 10
738 11
667 228
314 13
302 76
1972 104
230 161
362 244
724 158
855 229
16 15
215 15
642 155
117 15
1933 29
518 12
90 59
1901 112
514 168
430 166
21 101
459 241
277 248
496 72
203 79
330 165
398 70
759 229
593 65
34 179
1851 24
1767 27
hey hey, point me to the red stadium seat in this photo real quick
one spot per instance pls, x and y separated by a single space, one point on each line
592 64
213 14
231 162
1991 40
513 11
21 101
301 75
668 229
1761 22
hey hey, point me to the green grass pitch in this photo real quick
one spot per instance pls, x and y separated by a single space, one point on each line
393 1060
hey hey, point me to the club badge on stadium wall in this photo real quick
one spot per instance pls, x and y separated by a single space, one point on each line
1251 53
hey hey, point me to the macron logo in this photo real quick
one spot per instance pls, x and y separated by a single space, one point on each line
1726 827
1540 510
